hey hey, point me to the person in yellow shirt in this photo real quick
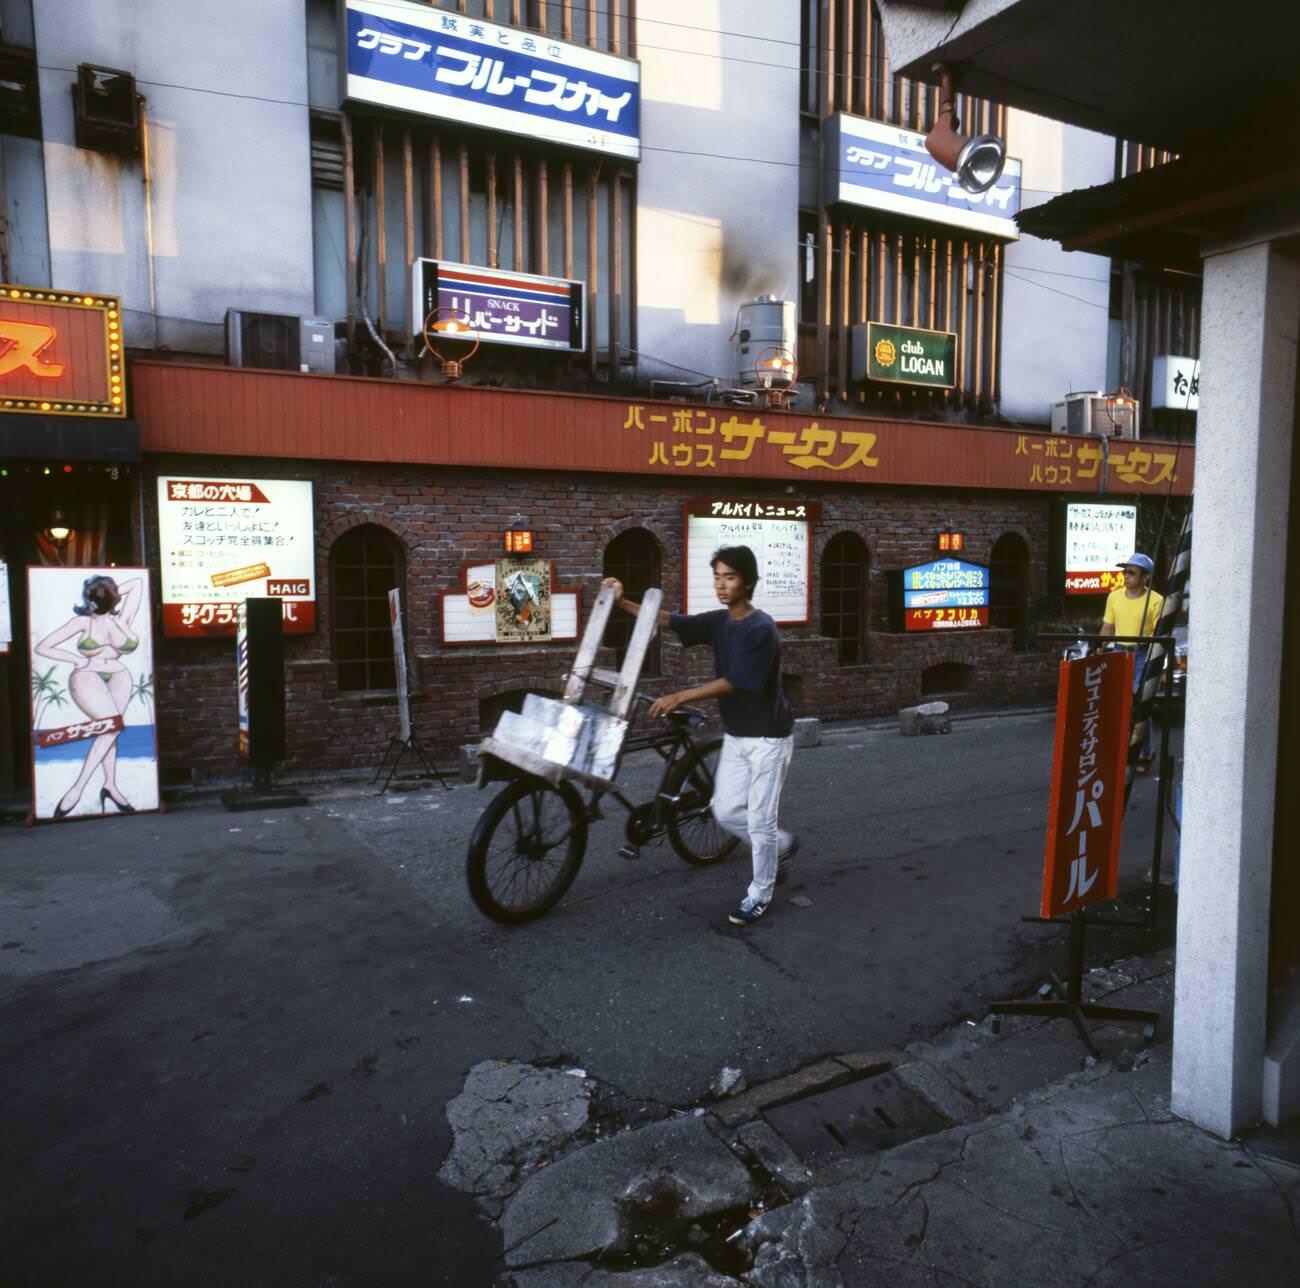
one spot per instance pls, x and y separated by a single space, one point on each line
1135 610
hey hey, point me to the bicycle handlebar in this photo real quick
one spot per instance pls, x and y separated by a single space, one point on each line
689 715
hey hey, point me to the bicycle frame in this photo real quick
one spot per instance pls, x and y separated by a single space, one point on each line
671 745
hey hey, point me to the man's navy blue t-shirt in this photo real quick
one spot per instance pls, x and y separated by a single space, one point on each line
747 652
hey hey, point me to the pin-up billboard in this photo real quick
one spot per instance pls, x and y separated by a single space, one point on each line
869 163
462 69
223 541
501 307
94 732
60 353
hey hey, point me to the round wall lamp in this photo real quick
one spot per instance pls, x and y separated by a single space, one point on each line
444 330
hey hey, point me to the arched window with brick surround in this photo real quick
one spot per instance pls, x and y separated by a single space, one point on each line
845 565
365 563
1009 584
633 557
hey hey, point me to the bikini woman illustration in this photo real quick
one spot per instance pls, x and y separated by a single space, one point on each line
100 683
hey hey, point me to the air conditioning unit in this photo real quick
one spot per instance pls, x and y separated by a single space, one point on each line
279 341
106 110
1093 412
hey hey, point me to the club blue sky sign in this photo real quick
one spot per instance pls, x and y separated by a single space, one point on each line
869 163
424 60
502 307
946 594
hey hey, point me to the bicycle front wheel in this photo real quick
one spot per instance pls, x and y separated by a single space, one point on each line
692 829
525 850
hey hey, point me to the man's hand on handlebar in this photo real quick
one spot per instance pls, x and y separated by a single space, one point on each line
668 703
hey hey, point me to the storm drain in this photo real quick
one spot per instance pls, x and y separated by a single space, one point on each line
862 1117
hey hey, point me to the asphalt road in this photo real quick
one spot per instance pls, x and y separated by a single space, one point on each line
227 1040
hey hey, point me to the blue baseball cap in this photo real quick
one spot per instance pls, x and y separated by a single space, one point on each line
1138 560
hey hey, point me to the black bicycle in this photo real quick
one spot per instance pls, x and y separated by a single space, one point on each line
530 840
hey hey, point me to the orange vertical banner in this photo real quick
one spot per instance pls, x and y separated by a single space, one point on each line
1094 696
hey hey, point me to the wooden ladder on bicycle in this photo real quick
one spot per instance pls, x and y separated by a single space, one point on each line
570 738
621 683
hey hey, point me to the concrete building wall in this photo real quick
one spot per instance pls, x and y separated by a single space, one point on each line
1055 303
225 220
718 188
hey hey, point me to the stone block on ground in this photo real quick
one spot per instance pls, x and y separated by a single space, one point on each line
807 731
929 717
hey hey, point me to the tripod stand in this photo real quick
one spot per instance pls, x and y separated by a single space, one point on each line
399 749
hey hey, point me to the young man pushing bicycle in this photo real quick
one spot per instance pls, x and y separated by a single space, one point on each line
756 718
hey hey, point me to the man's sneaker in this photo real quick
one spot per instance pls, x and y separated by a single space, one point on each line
785 864
747 913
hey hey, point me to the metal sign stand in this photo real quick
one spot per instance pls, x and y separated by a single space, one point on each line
1068 1003
399 748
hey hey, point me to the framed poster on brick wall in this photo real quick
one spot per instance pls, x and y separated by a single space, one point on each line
470 614
780 535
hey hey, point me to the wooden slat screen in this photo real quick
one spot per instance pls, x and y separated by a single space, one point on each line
875 267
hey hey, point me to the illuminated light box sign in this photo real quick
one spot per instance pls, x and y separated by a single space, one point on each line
60 353
501 307
906 355
1096 537
223 541
869 163
778 532
425 60
1176 383
945 594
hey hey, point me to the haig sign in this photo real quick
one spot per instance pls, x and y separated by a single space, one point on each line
222 541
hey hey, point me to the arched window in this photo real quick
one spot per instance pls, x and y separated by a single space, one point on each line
845 565
1009 584
365 564
633 557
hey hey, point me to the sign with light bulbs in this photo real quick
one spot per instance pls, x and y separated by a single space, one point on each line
61 353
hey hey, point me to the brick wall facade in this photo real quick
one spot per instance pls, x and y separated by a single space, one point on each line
445 518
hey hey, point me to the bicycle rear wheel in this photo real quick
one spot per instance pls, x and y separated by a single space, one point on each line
692 829
525 850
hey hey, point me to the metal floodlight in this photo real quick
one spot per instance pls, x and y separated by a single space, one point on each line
977 162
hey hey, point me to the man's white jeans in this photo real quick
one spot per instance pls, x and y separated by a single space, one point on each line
746 798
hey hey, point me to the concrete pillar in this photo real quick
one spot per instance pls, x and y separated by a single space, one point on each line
1250 310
